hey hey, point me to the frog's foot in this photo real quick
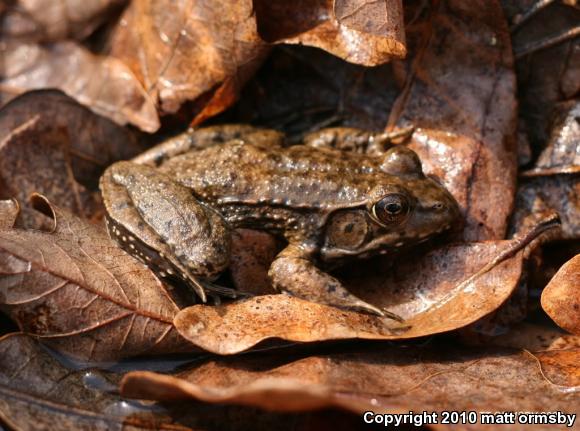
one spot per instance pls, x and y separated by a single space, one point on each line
159 221
293 273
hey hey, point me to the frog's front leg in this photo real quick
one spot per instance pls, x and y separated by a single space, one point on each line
162 223
356 140
294 272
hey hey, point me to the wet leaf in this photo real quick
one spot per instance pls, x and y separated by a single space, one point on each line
561 297
104 84
381 379
446 289
459 91
364 32
49 21
75 290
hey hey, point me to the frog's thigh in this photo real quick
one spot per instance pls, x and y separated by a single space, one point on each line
355 140
165 216
295 274
198 139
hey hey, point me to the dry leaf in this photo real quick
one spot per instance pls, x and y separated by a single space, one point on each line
43 149
381 379
459 92
180 51
546 76
75 290
364 32
532 337
104 84
38 392
49 21
252 253
561 297
9 210
554 182
446 289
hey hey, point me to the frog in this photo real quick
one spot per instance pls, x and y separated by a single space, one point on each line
339 195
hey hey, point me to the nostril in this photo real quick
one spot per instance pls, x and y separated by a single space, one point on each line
438 206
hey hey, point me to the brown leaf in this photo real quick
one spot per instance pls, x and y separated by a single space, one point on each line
459 92
300 90
104 84
43 149
75 290
364 32
561 297
384 379
545 76
9 210
180 51
38 392
446 289
562 153
531 337
252 253
554 182
49 21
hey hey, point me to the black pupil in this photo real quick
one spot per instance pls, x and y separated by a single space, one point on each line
393 208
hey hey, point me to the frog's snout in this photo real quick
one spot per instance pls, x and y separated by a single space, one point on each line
451 218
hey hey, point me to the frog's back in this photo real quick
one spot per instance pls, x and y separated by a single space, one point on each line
294 177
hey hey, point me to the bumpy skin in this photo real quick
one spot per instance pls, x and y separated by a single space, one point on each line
176 204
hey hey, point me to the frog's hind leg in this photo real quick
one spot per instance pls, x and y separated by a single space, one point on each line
161 222
198 139
356 140
294 273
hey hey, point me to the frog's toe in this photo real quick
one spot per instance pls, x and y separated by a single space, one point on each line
299 277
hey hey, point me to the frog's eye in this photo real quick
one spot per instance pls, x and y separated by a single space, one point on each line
392 208
401 161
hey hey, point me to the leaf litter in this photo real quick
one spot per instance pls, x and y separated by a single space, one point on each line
456 91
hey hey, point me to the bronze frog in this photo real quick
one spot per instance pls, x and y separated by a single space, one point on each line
175 206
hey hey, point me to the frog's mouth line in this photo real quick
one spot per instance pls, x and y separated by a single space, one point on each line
375 247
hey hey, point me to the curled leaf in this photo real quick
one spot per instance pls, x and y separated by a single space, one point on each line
359 31
75 290
561 297
104 84
446 289
383 379
181 51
